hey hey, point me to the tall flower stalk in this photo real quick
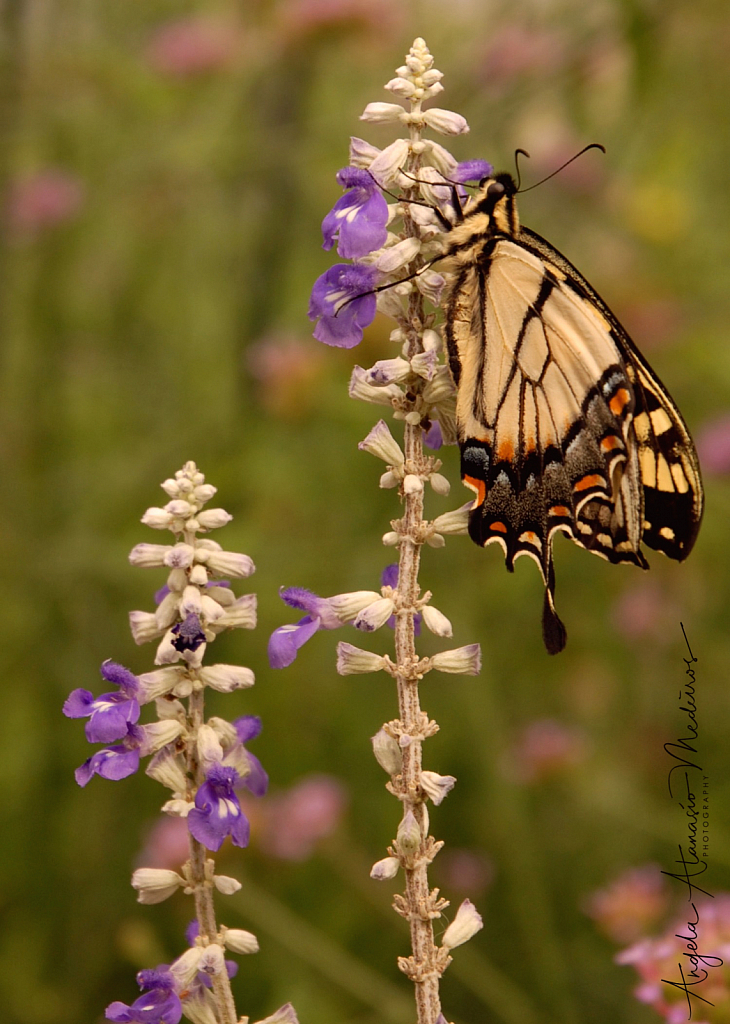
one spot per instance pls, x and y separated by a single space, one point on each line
393 246
201 762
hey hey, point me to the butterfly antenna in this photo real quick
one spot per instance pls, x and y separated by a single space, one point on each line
518 169
593 145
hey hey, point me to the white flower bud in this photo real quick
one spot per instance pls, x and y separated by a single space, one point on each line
210 750
383 870
149 555
226 885
200 1006
375 615
166 654
213 518
362 153
398 255
359 388
436 621
158 683
412 484
432 341
167 768
157 518
439 483
430 285
177 581
228 563
347 606
434 540
212 961
171 488
464 661
190 603
154 885
199 576
455 522
390 304
391 478
284 1015
436 786
239 941
431 77
408 836
381 443
159 734
382 113
180 556
439 388
226 678
445 122
386 166
177 808
354 661
179 508
186 966
387 752
210 609
424 364
401 87
240 615
392 538
388 371
167 609
441 159
204 492
466 924
143 626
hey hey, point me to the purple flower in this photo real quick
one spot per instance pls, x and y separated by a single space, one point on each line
359 217
344 301
248 727
286 640
471 170
113 763
433 438
110 714
217 812
189 634
159 1005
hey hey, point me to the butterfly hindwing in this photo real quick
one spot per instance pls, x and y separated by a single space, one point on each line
562 425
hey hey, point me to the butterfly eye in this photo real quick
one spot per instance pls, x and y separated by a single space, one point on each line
495 190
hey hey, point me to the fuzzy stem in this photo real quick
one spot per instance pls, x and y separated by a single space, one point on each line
204 909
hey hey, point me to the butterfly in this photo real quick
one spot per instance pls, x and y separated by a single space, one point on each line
562 424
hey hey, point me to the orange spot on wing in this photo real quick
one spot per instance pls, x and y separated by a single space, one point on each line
478 486
609 443
506 452
499 527
560 510
589 481
529 537
619 401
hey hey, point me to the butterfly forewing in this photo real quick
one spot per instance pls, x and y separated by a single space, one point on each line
563 427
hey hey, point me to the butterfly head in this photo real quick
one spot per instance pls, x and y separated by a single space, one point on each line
496 199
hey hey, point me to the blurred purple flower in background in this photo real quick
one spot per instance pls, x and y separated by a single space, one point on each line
188 47
630 904
713 444
296 820
545 748
43 200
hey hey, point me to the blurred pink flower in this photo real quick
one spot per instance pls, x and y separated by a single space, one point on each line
544 748
193 46
295 820
630 904
287 369
713 444
516 51
655 959
166 845
42 200
643 610
298 17
654 321
466 872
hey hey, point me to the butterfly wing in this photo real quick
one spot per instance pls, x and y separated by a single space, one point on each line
562 425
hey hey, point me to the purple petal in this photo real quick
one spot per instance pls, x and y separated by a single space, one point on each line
78 704
109 722
286 641
359 217
189 634
301 598
257 781
343 299
161 594
433 438
248 727
113 763
192 932
206 830
120 1012
121 677
389 576
471 170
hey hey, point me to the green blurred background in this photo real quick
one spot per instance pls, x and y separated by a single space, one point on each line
165 168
